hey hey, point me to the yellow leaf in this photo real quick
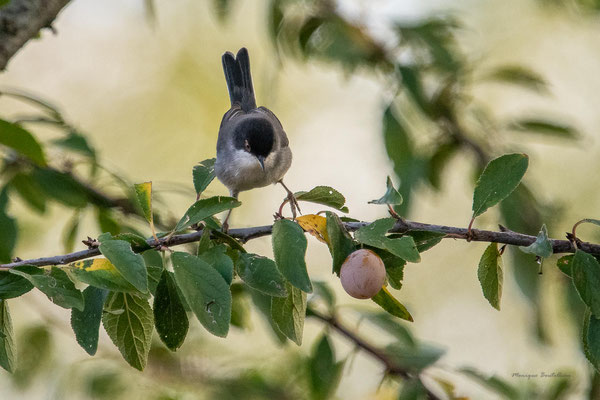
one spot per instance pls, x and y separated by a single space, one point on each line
95 264
101 273
315 225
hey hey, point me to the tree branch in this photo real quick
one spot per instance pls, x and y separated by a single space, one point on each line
402 226
390 367
21 20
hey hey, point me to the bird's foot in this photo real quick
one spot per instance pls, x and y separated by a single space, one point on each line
289 199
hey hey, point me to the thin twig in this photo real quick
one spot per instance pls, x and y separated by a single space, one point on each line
402 226
390 366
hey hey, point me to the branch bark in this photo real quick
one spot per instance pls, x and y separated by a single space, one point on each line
21 20
402 226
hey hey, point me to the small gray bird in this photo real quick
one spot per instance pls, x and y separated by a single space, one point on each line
252 148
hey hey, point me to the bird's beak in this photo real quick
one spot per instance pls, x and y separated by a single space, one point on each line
261 160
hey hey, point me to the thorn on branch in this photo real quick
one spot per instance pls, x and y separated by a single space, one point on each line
91 243
575 242
502 249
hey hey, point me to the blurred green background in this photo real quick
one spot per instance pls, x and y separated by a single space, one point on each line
150 93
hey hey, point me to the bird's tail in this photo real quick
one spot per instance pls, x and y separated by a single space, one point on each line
239 80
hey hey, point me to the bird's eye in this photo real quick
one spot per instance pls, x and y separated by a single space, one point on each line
247 145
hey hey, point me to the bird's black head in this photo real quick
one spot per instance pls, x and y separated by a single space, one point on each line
256 136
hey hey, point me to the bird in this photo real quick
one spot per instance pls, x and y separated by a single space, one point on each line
253 150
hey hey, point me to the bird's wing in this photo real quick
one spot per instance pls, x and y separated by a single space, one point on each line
232 115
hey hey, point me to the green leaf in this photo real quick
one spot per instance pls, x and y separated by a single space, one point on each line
170 318
137 242
374 235
490 275
518 75
438 162
413 358
289 248
494 383
288 313
412 389
129 264
590 336
542 247
263 304
143 193
8 351
8 232
307 30
393 327
586 278
106 222
425 240
30 191
35 349
204 243
22 141
13 285
240 312
340 241
391 196
86 323
100 273
205 208
261 273
324 371
564 264
499 178
324 195
203 174
154 266
222 8
408 166
69 233
412 82
61 187
590 221
205 291
77 142
129 322
389 303
54 283
434 36
221 237
545 127
216 258
323 291
394 267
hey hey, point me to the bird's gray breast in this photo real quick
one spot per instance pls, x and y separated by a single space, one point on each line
238 169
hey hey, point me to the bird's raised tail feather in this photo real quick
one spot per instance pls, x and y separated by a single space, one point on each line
239 79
